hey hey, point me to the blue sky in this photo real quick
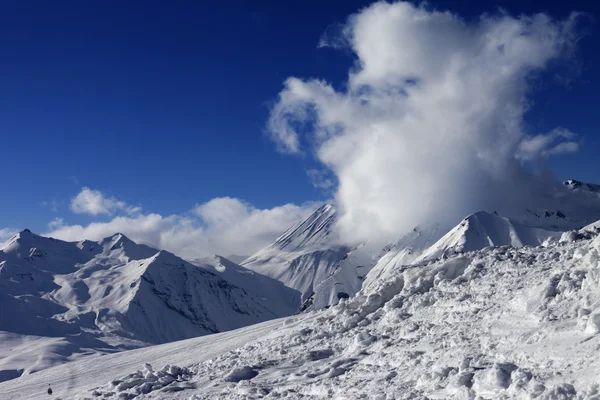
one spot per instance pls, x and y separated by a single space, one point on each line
165 107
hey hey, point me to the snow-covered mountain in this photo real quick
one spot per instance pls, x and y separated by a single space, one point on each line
483 229
61 300
274 295
501 322
308 258
73 298
475 232
577 185
571 205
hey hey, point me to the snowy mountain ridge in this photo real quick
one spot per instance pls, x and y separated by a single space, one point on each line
112 295
501 322
74 298
308 258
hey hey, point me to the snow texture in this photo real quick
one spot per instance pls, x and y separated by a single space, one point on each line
501 322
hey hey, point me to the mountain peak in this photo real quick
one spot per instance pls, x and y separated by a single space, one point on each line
23 238
130 249
578 185
117 240
26 233
482 229
312 230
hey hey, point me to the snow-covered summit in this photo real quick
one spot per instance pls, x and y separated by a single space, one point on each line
483 229
577 185
475 232
308 258
122 245
314 231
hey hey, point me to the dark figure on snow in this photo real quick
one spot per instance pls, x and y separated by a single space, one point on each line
49 390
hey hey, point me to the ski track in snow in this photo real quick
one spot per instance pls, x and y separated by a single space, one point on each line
501 322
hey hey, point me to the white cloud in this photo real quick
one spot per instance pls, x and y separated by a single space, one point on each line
56 223
544 145
221 226
431 121
52 205
6 233
320 179
93 202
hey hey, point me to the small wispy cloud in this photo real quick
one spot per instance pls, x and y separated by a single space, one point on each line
56 223
94 202
6 233
557 141
53 205
321 179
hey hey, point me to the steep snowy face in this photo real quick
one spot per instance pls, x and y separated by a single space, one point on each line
111 295
308 259
273 294
176 300
314 231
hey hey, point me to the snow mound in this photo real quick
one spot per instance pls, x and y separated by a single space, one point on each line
241 374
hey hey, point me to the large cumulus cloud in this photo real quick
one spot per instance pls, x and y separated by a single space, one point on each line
430 124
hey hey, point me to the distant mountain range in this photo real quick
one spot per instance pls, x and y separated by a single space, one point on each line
76 298
63 300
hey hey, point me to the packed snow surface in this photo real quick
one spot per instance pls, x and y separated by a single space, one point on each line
501 322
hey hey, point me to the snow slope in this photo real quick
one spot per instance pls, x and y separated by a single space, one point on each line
72 378
501 322
61 300
483 229
307 258
273 294
475 232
